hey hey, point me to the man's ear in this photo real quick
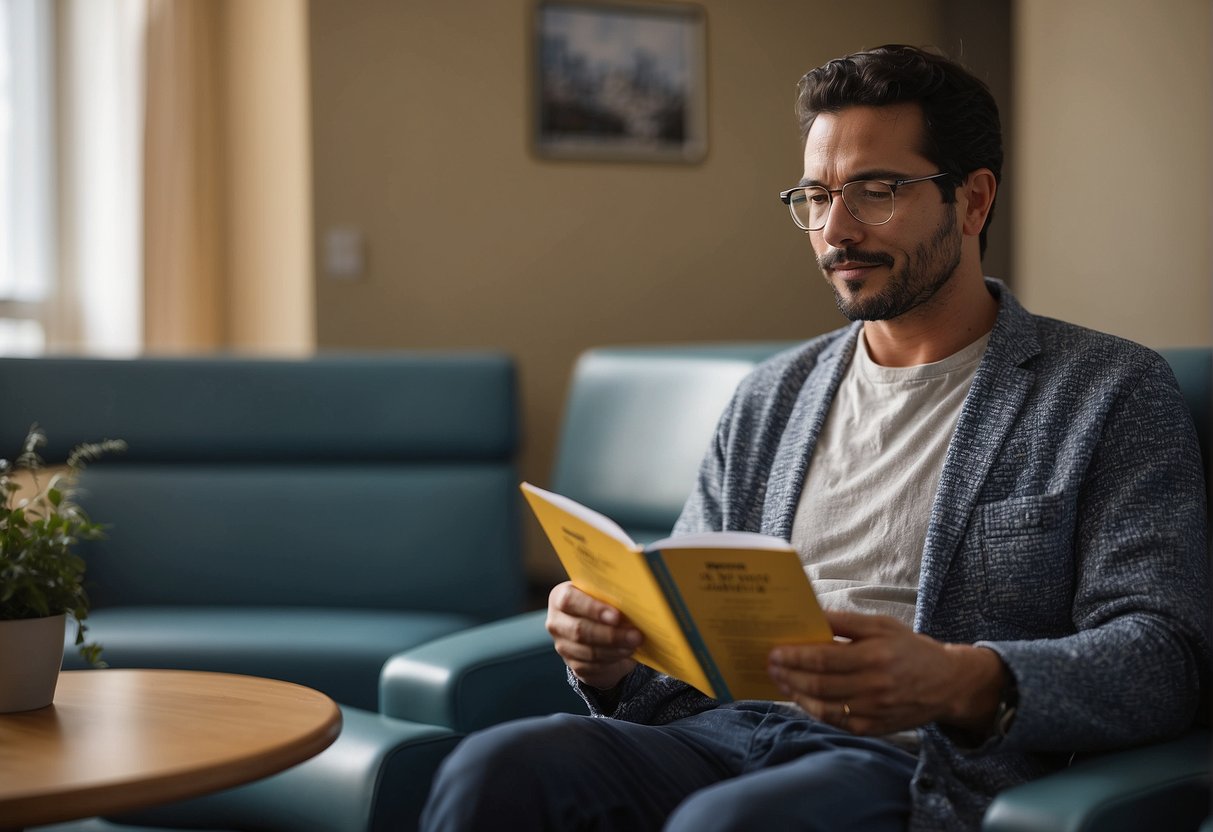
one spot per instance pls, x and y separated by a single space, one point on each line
977 192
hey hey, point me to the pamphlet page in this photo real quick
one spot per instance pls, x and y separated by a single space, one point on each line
744 602
603 562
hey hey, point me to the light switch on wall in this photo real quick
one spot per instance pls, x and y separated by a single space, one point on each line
344 253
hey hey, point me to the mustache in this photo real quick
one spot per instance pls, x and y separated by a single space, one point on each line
833 258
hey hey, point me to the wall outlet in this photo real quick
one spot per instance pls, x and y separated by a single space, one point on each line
345 253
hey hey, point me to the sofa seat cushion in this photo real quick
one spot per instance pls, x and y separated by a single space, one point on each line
337 651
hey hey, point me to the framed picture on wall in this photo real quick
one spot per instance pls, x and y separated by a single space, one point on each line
620 81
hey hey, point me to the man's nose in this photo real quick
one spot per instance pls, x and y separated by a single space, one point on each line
841 229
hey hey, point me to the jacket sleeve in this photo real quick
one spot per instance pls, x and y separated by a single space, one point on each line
645 696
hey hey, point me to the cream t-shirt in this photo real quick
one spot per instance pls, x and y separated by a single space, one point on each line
862 517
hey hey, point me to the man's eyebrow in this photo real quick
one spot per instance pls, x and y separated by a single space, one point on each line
882 174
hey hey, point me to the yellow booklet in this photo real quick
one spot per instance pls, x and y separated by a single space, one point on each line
711 606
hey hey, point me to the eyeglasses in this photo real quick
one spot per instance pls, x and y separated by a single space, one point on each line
869 201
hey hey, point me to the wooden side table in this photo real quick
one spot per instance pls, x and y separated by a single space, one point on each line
118 740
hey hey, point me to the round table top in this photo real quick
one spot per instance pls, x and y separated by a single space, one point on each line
117 740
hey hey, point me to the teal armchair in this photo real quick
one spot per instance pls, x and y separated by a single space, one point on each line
637 423
508 669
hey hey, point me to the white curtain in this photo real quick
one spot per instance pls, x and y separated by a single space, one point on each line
100 132
168 162
27 165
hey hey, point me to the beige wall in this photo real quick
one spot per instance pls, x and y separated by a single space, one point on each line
1113 213
420 137
420 142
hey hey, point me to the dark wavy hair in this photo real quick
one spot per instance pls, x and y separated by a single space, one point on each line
963 131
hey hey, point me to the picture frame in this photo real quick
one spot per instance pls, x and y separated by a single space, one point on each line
620 81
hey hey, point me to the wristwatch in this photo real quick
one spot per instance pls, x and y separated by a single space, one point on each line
1007 704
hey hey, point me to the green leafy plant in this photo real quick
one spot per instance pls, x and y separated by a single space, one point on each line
40 525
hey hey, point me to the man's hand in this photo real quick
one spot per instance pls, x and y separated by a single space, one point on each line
887 678
593 638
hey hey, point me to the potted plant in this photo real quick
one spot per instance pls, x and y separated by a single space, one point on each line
41 575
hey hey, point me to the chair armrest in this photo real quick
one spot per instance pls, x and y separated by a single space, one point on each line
1160 786
479 677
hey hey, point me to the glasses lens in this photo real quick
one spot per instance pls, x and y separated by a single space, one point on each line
809 207
869 202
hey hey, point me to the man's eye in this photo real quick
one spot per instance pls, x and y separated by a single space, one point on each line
817 198
876 194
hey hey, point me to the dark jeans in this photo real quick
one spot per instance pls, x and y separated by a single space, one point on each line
745 766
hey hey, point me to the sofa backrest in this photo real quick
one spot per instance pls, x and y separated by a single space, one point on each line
637 423
1193 368
374 481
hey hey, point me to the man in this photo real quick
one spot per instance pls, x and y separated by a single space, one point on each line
1003 516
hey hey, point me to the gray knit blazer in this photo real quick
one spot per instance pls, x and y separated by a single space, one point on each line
1068 534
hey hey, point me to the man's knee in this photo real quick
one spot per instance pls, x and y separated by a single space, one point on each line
503 771
826 791
728 809
719 809
511 751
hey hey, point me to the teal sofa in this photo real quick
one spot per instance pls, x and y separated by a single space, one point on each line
303 519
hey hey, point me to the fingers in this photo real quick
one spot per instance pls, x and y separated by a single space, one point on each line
884 677
856 625
592 638
570 600
866 641
838 682
842 700
815 658
830 687
583 620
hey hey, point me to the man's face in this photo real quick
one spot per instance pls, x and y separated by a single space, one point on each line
879 272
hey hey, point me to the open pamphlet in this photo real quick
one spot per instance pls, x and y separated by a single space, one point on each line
711 606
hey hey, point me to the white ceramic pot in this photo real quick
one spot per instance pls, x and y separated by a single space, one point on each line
31 654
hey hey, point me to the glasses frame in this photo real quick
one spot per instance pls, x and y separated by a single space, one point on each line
786 198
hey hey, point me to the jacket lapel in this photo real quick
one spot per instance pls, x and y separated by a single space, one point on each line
997 394
799 437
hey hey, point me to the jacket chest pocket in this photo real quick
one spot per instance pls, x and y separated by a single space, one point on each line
1027 557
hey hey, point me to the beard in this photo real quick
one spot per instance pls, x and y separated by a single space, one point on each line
930 266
